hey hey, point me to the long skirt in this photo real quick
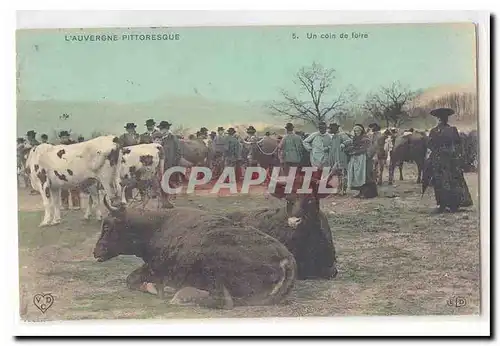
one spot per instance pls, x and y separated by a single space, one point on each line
450 189
360 176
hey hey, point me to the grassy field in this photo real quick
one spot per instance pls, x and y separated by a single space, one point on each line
394 258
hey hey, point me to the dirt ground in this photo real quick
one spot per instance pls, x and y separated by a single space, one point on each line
394 258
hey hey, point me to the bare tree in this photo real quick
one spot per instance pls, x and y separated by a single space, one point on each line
390 104
315 100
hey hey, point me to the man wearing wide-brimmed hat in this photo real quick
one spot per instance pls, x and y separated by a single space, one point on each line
443 167
28 145
64 138
131 137
290 149
172 154
337 156
318 144
218 149
31 136
232 153
147 137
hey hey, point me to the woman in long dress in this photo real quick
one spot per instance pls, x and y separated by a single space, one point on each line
443 167
360 167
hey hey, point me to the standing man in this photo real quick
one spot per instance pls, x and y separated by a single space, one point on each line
318 144
250 133
172 150
290 149
232 152
219 147
45 138
147 137
337 156
32 142
64 138
131 137
377 151
21 162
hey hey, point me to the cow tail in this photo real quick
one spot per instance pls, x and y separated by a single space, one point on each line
284 286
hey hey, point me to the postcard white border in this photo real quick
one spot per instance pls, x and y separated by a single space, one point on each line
453 325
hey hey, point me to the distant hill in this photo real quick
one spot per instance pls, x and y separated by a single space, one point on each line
192 112
110 117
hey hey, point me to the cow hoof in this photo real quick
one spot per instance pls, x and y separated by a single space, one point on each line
55 222
44 224
188 296
148 287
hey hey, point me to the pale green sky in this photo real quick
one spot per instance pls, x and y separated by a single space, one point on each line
238 64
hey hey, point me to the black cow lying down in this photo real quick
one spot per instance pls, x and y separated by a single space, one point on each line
185 247
303 228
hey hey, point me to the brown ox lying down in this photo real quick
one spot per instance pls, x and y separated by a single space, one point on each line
185 247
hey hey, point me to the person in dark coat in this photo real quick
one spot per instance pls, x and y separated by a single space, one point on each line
232 152
81 139
45 138
131 137
172 150
64 138
147 137
32 142
443 169
290 150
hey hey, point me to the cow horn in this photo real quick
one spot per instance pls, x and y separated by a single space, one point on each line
110 206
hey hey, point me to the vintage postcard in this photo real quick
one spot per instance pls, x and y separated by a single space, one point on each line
243 172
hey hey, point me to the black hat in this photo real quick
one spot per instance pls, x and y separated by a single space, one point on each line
220 128
231 130
203 130
164 125
251 129
334 125
44 136
442 112
64 133
213 133
268 133
374 127
130 126
150 122
289 126
30 133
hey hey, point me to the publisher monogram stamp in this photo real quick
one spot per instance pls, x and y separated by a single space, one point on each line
43 301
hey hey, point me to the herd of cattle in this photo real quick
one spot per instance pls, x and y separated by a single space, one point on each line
241 258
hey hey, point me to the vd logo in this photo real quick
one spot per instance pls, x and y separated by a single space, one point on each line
43 301
457 302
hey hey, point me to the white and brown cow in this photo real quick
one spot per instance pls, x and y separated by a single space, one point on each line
141 166
55 167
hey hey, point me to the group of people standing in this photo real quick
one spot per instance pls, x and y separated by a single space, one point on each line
347 155
352 157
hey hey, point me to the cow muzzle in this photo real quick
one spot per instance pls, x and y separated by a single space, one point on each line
294 222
